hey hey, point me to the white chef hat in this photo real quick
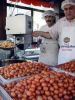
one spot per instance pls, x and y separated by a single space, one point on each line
65 2
48 13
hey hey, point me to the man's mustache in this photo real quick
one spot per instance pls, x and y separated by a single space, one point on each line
48 20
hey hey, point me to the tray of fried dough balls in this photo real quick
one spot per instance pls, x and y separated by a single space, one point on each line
7 45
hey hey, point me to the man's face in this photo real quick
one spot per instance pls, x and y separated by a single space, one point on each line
50 20
69 11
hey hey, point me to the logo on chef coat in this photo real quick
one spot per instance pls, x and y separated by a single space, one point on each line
66 39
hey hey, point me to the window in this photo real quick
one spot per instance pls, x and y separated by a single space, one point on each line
13 11
38 21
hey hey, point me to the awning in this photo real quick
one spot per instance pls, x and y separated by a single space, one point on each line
35 3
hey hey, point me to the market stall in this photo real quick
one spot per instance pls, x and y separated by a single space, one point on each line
23 78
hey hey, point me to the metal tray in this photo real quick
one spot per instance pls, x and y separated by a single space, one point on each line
4 95
4 81
56 69
7 48
11 61
7 62
17 80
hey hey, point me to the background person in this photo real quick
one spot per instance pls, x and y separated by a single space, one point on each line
48 47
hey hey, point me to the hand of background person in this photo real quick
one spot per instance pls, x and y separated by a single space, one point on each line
42 34
36 33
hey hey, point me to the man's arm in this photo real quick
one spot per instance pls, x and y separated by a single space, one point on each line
42 34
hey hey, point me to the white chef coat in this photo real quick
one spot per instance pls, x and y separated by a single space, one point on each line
65 30
48 48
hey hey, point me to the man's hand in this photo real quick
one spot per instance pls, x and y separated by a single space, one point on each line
42 34
36 33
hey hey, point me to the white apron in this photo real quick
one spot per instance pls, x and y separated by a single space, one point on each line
49 52
67 45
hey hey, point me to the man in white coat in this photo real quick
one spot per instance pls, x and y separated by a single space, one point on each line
48 47
64 30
